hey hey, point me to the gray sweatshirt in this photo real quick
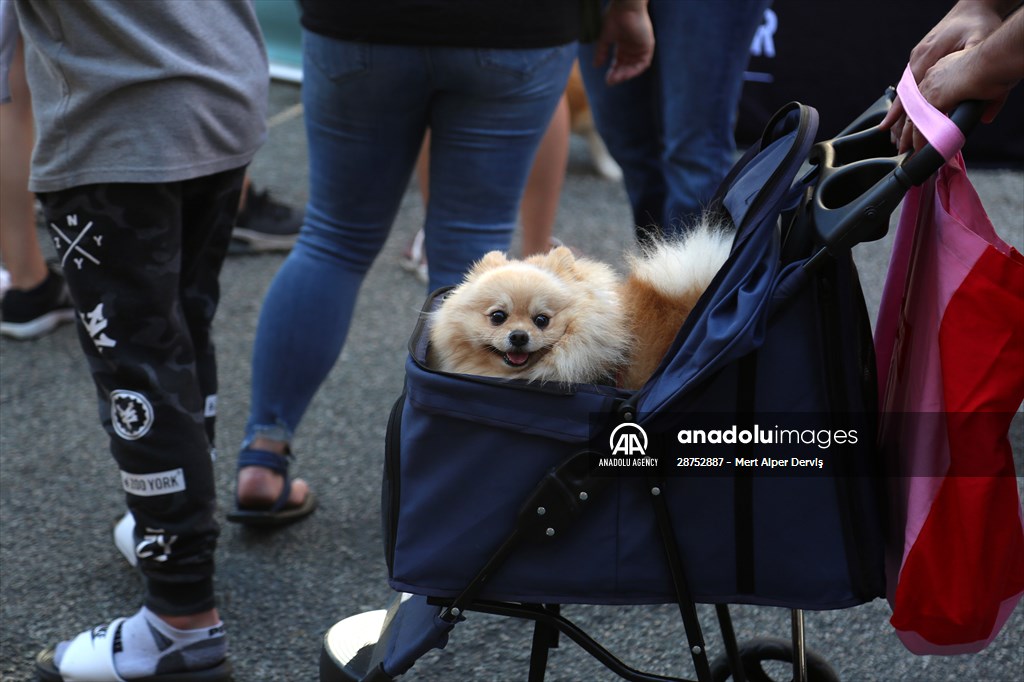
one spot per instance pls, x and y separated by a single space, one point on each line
140 91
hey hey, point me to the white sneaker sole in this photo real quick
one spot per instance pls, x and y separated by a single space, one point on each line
37 327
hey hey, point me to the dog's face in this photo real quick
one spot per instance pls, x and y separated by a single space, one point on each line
506 318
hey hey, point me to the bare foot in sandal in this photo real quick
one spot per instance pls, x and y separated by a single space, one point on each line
266 496
259 487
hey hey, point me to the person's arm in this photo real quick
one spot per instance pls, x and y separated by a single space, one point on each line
953 41
627 27
967 24
986 71
8 43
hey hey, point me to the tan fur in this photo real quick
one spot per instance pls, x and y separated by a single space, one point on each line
654 318
599 326
581 122
664 285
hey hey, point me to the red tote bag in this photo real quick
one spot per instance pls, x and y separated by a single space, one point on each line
950 347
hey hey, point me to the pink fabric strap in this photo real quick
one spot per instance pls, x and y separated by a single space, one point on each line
933 124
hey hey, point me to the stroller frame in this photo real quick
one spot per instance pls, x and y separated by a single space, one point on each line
557 499
852 202
549 623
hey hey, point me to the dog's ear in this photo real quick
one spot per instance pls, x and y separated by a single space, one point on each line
490 260
558 260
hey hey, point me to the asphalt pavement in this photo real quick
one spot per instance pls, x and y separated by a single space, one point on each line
279 592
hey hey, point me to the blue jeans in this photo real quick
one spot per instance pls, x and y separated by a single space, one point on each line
671 128
367 107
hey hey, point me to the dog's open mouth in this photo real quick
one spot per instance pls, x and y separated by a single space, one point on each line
516 359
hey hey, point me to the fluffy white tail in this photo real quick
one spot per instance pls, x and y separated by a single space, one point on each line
681 266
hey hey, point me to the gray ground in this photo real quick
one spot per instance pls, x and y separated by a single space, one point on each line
279 593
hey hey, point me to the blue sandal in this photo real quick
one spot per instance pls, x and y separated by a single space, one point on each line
277 514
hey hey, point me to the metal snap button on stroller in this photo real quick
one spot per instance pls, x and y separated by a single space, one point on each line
495 499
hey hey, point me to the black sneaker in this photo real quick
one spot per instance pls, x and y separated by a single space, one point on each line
33 313
265 225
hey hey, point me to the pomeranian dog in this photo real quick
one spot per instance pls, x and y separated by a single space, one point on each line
556 317
551 317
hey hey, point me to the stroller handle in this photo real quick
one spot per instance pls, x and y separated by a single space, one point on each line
862 179
922 165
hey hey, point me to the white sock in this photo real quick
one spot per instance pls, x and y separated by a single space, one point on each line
147 646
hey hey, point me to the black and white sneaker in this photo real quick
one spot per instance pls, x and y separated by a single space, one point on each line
30 314
265 225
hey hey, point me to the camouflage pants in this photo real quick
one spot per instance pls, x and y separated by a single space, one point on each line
142 263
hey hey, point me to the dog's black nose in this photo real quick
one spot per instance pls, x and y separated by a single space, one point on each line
518 338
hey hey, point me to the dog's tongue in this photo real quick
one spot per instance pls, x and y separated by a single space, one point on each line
517 358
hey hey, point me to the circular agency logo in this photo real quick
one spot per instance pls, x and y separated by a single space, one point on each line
131 413
628 439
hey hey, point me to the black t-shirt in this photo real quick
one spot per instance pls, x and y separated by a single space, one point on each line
452 23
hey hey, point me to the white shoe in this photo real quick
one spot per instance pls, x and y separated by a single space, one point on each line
124 538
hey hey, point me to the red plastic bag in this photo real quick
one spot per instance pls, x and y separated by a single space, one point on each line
950 348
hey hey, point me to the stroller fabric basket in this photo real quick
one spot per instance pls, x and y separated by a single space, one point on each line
779 343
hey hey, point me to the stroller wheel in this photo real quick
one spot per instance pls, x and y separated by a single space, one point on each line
349 647
779 654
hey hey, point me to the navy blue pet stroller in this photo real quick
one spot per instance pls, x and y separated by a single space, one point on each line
512 499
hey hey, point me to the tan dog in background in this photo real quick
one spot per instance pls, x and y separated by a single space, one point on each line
556 317
581 122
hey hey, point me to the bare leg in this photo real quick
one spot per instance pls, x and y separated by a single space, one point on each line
19 243
539 205
423 169
192 621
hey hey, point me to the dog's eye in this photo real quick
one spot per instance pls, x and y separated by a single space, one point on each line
541 321
498 317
